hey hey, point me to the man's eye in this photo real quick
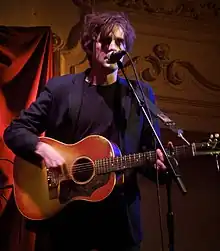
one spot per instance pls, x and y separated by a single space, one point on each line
106 41
120 41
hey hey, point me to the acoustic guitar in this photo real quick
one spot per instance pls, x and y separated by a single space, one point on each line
90 174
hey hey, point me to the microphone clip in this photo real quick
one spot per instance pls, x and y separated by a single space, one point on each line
115 57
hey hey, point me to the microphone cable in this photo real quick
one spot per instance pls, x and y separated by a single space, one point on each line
6 186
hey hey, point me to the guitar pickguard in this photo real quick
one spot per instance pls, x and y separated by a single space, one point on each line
69 189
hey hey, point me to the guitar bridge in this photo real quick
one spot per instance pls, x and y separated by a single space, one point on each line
52 182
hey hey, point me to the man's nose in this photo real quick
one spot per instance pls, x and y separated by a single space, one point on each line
113 46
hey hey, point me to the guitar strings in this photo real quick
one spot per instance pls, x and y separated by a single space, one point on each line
88 166
111 162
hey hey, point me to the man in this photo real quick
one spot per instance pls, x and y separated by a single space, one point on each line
72 107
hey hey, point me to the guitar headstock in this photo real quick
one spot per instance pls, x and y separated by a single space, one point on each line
213 141
210 146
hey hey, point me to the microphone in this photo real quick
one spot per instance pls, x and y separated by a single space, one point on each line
114 57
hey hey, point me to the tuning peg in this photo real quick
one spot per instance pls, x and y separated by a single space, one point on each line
217 162
210 139
216 135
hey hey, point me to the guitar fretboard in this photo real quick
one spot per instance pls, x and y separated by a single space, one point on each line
121 163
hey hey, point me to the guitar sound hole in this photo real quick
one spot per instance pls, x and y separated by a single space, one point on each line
82 170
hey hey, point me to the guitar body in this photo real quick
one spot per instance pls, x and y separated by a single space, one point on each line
40 193
89 174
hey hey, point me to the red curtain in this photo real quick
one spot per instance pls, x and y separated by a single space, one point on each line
26 63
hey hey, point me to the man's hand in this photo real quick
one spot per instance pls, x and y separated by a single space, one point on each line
51 157
160 160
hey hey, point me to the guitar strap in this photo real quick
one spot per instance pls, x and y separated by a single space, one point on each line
158 113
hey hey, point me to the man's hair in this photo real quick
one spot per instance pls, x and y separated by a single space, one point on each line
102 24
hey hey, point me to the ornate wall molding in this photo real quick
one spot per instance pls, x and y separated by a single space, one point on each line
190 9
58 43
157 65
169 69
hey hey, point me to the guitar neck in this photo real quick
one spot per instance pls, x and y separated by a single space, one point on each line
121 163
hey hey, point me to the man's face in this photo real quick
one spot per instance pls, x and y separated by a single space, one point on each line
112 43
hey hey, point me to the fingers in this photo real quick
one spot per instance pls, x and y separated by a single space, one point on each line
170 144
160 154
160 160
58 165
51 162
160 165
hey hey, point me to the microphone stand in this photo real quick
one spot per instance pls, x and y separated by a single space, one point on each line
173 174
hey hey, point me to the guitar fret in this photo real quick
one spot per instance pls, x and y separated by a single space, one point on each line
123 162
120 163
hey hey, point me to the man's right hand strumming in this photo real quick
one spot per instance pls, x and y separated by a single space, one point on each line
51 157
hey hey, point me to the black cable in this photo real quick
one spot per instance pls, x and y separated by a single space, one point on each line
6 186
5 159
3 196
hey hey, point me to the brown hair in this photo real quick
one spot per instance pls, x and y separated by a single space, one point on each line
102 24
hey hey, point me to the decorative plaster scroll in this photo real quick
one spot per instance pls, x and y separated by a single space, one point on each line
161 64
85 7
192 9
63 49
58 43
174 79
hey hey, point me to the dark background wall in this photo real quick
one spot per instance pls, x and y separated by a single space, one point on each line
196 214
